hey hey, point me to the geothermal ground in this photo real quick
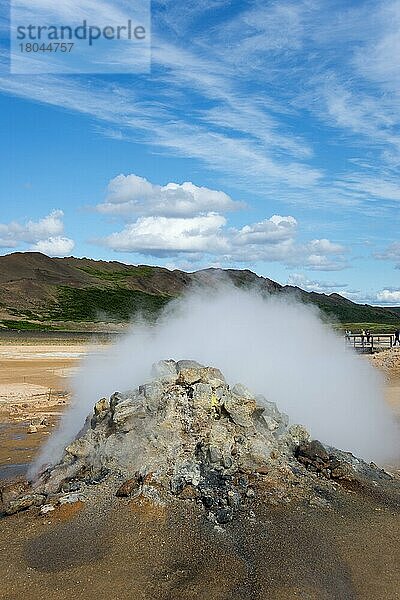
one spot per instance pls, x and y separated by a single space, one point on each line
34 392
275 517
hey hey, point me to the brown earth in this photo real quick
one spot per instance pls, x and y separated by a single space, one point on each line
123 550
351 551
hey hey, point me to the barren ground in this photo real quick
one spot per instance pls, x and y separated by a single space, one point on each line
125 551
34 390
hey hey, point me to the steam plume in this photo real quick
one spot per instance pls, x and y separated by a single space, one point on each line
277 347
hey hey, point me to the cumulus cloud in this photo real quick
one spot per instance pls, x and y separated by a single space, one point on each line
325 246
208 235
43 235
389 296
13 233
54 246
273 230
130 195
161 236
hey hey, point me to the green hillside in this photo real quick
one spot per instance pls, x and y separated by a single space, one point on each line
38 292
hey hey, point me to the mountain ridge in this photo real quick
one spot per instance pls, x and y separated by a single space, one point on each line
35 288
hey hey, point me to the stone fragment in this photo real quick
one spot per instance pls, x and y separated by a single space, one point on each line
80 448
242 391
24 503
239 410
189 492
128 488
312 453
71 498
101 406
11 491
127 411
152 392
165 370
298 434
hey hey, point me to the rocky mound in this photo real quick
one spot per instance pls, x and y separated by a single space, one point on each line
188 436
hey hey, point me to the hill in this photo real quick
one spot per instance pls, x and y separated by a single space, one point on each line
39 292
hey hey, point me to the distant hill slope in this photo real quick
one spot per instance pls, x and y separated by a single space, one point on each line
38 291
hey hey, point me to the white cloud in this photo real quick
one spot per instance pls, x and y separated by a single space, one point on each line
321 287
131 195
320 262
270 240
161 236
13 233
275 229
42 235
387 188
326 247
389 296
54 246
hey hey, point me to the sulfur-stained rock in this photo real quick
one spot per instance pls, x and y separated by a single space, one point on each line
187 435
101 406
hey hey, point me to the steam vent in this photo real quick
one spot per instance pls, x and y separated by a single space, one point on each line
188 436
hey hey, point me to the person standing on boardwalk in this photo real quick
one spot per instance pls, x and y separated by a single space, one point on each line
362 336
397 337
368 333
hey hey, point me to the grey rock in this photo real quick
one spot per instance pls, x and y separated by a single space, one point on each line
239 412
80 448
183 365
242 391
165 370
187 434
24 503
215 454
71 498
129 410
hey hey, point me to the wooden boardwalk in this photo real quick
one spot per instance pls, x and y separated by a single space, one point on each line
368 344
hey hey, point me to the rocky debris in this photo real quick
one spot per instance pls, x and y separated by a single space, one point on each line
36 424
388 362
12 491
24 503
186 435
129 487
316 458
71 498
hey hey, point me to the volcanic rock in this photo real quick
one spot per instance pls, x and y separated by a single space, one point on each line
187 436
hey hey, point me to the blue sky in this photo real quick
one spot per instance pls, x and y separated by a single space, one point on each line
265 136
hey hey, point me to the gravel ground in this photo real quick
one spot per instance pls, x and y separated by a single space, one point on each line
141 552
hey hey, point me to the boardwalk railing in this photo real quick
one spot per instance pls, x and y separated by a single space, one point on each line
368 343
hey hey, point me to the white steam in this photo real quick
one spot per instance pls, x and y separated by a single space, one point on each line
277 347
